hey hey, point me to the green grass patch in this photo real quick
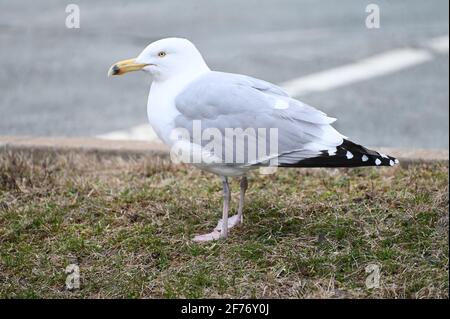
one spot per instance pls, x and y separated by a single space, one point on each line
307 233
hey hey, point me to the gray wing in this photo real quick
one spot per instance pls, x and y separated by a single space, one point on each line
224 102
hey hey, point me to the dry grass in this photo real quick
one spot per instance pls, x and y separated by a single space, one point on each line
307 233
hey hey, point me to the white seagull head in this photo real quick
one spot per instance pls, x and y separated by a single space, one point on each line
164 59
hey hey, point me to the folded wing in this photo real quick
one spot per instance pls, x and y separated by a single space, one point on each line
222 102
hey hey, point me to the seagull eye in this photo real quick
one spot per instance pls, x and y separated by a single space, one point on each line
162 54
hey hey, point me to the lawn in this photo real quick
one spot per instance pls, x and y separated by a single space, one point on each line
311 233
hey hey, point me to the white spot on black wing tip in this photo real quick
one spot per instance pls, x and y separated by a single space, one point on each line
349 155
391 162
396 161
364 158
378 162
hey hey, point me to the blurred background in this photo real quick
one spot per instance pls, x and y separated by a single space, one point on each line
53 79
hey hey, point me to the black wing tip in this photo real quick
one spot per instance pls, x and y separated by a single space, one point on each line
348 154
372 158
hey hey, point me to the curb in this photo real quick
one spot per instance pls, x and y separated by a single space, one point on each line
126 149
87 146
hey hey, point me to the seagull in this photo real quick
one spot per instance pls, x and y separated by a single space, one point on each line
188 101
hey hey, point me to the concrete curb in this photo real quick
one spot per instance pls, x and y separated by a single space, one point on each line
137 149
82 145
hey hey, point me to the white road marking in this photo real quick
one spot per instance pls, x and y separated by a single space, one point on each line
366 69
142 132
375 66
440 44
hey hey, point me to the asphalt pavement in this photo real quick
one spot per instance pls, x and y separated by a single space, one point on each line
53 79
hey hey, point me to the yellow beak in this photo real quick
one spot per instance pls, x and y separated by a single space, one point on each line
125 66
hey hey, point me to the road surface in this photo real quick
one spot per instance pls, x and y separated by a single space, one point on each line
53 79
